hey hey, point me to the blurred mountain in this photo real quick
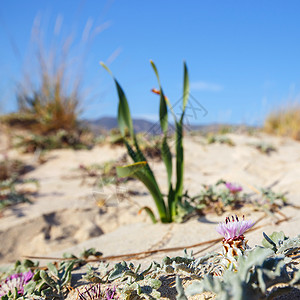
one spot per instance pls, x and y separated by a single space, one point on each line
106 124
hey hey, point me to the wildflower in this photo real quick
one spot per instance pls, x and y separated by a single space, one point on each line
15 281
234 228
94 292
233 188
234 243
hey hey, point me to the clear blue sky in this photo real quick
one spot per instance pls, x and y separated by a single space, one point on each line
243 56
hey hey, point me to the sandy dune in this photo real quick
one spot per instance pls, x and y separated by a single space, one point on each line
64 215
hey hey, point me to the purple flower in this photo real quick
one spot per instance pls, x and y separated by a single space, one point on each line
234 228
94 292
110 293
15 281
233 188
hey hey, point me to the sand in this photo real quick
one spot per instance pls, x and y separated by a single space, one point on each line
68 214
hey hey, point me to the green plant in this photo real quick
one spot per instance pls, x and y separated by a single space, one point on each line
11 195
259 271
221 139
216 197
50 94
11 191
264 148
167 210
31 142
269 201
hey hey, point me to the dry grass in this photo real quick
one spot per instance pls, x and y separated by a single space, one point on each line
284 121
50 97
50 94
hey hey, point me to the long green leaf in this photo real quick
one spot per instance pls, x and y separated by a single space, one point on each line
131 152
124 117
179 144
158 79
141 157
167 158
129 170
149 212
139 170
186 88
171 203
179 160
154 190
163 116
148 179
155 71
163 113
52 269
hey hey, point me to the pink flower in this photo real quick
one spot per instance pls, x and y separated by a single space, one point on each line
233 228
233 188
15 281
93 292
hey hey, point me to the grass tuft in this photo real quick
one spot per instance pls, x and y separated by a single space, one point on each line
284 121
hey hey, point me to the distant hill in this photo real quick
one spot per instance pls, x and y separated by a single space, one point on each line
109 123
105 124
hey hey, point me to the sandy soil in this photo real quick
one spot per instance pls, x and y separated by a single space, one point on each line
69 214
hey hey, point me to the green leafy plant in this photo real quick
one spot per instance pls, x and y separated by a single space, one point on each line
167 208
269 201
216 197
149 144
104 174
221 139
11 191
53 283
9 195
31 142
264 148
257 275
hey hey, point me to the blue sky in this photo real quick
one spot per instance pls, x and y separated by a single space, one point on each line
243 56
